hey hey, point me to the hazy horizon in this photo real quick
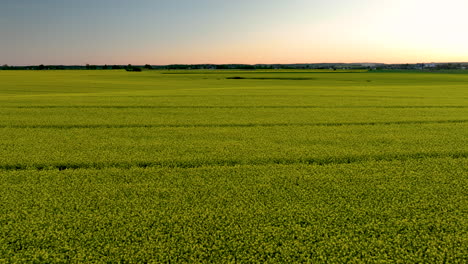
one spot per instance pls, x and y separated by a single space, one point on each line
139 32
298 63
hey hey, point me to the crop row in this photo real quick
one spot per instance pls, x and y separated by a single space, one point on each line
92 117
411 211
32 147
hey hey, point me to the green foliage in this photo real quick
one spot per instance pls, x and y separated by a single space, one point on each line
191 166
91 67
131 68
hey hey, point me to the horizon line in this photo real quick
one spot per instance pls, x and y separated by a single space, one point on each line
253 64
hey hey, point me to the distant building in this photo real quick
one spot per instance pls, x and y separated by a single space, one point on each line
369 64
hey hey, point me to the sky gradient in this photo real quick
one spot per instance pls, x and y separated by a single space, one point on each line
160 32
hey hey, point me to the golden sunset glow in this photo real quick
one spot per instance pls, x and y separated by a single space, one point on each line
298 31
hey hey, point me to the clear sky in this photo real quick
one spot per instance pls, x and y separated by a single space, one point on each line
232 31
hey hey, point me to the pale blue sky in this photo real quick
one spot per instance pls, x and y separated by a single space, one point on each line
241 31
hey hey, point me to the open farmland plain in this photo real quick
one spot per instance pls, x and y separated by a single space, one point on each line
198 166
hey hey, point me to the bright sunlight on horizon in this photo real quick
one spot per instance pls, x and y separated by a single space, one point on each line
223 32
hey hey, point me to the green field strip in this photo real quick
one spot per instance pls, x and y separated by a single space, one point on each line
284 94
213 162
71 126
228 106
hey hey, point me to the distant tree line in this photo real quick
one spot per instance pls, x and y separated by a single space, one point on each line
327 66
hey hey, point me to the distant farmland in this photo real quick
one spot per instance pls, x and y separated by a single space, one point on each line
233 166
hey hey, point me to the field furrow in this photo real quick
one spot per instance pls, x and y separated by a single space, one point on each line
233 163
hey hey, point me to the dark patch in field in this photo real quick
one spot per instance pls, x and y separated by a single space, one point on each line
268 72
355 80
271 78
